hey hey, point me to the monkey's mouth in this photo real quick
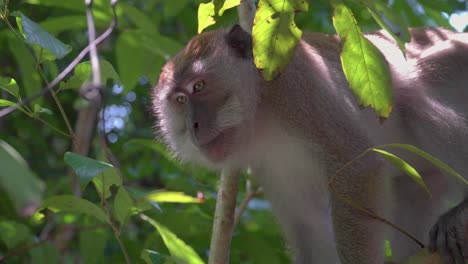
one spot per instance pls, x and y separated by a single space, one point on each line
220 146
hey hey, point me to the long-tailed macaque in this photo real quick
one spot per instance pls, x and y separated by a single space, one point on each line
295 132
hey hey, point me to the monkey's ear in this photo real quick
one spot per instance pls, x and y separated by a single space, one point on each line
240 42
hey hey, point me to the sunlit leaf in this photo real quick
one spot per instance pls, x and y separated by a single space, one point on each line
4 102
34 34
20 184
206 12
172 197
404 167
180 251
223 5
86 168
436 162
73 204
275 35
365 68
9 84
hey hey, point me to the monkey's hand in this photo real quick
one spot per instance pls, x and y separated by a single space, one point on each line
449 235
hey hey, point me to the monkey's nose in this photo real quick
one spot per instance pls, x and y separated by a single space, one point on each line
195 126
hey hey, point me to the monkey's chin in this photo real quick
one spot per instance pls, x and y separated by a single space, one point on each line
219 148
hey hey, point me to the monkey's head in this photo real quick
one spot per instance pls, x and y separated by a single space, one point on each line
206 98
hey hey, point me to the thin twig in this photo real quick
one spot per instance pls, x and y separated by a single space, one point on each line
96 84
224 216
248 197
63 74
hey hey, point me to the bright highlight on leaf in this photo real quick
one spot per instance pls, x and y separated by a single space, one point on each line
4 102
180 251
365 68
34 34
172 197
73 204
436 162
207 11
404 167
275 35
9 84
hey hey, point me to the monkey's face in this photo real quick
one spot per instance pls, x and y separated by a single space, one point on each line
205 101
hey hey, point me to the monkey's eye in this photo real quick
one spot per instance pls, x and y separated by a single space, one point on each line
181 98
198 86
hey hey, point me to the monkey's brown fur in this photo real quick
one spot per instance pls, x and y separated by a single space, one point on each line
297 130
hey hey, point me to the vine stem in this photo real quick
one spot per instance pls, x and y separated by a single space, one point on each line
362 209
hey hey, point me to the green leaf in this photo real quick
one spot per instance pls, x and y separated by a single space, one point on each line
171 197
20 184
129 57
34 34
393 22
40 110
180 251
404 167
83 72
4 102
140 19
9 84
436 162
154 145
13 234
104 181
275 35
45 253
93 244
223 5
135 60
84 167
31 82
206 12
172 8
72 204
123 204
365 68
56 25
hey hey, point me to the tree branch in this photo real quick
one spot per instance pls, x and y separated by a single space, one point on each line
223 223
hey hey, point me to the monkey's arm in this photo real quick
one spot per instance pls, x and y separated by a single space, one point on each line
449 235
